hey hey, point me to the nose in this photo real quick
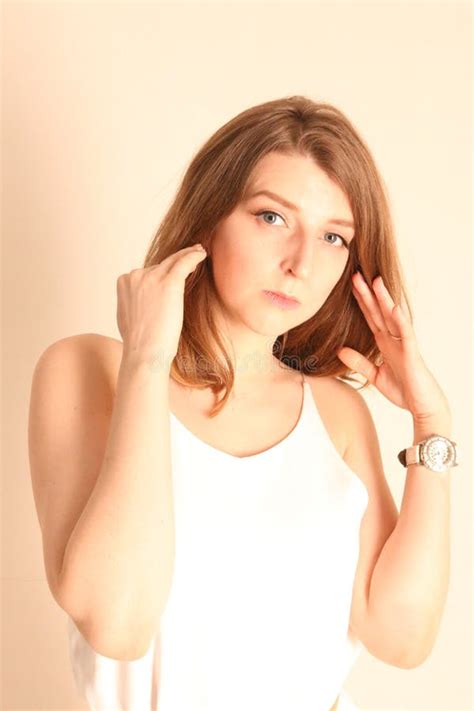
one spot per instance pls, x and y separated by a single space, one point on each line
299 258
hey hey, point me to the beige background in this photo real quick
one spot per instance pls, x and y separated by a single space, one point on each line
103 106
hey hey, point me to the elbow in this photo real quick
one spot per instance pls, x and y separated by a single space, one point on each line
122 653
109 638
412 659
404 643
114 648
408 658
420 647
417 649
112 630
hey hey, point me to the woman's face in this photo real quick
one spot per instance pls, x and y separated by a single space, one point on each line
301 253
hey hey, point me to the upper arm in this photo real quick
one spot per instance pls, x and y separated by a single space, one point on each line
69 415
363 456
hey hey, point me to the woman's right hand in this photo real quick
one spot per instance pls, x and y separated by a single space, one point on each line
150 305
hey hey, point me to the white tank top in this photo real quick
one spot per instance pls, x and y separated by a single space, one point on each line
257 616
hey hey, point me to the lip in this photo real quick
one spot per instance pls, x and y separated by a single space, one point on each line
279 299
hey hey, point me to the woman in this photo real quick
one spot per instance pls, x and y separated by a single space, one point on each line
237 553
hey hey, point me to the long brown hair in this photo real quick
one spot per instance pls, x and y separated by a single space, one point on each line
216 181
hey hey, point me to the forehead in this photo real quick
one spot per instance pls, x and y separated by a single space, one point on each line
301 182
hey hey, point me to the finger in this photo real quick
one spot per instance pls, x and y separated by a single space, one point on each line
184 258
181 254
405 329
404 306
365 312
369 301
359 363
189 258
394 313
386 304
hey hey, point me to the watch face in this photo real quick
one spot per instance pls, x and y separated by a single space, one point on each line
438 454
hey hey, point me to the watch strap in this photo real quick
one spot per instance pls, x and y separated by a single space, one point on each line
410 455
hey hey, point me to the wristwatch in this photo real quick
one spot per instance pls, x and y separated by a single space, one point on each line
436 452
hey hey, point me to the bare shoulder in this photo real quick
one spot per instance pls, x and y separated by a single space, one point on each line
110 350
330 385
338 404
85 342
97 355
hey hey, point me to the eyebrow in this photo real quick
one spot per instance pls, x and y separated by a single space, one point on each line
291 206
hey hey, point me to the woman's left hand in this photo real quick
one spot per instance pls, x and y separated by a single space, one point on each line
403 376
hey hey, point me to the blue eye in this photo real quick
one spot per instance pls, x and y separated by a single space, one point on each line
272 212
269 212
341 238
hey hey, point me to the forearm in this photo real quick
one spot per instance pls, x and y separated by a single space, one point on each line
118 561
410 580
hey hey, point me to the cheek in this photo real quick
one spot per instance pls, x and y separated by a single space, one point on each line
237 266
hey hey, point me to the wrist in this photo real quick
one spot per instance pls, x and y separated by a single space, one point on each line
135 365
437 423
